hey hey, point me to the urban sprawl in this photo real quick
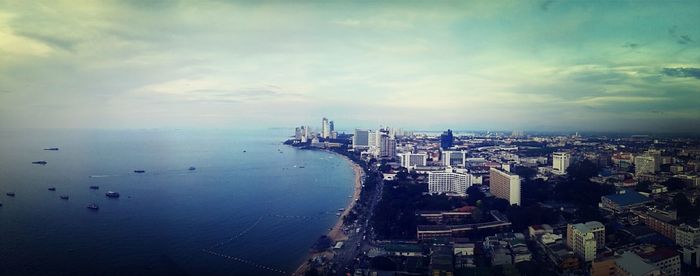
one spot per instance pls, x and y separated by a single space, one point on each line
513 203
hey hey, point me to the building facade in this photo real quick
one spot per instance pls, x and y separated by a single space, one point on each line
505 185
560 162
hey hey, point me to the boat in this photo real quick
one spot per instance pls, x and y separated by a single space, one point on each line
341 209
245 151
93 206
54 149
139 171
301 167
338 214
64 197
42 162
192 168
52 188
94 187
112 194
10 194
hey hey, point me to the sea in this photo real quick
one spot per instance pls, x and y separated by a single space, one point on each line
252 206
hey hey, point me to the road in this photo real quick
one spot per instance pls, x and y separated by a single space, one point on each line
358 242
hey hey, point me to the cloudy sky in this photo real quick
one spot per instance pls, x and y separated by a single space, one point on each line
531 65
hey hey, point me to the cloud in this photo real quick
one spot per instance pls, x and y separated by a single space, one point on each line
682 72
679 38
545 5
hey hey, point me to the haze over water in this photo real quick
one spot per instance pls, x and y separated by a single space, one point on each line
167 216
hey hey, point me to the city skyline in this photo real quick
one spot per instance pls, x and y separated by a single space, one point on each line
623 66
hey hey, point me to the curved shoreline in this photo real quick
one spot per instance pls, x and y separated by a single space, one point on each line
336 233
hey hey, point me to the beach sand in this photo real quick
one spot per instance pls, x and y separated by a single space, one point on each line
336 233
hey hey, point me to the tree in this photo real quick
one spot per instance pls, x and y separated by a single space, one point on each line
643 186
583 170
475 194
682 205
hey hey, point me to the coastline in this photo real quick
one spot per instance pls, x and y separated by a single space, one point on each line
336 233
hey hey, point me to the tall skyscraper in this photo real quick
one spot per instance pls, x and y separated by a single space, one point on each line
560 162
505 185
387 146
360 140
325 128
446 139
331 125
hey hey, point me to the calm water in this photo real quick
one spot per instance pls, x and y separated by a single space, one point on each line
167 216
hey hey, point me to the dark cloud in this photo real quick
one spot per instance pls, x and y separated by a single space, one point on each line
631 45
682 72
678 37
53 41
545 5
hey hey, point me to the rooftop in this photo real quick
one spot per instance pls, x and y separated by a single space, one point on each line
634 264
628 197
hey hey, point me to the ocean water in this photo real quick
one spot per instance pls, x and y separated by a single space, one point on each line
257 206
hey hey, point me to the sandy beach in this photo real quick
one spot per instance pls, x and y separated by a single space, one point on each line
336 233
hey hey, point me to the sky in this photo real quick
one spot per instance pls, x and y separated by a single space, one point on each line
478 65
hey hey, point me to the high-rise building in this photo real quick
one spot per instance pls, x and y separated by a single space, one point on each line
331 125
585 239
301 133
448 182
560 162
412 160
644 164
387 147
325 128
505 185
360 140
374 139
446 139
454 158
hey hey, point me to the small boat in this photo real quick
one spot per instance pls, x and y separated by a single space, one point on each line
54 149
94 187
245 151
12 194
64 197
52 188
93 206
42 162
341 209
338 214
301 167
139 171
192 168
112 194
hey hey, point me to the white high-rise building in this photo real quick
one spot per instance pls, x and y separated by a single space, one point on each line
412 160
644 164
505 185
325 128
448 182
361 139
585 239
454 158
560 162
